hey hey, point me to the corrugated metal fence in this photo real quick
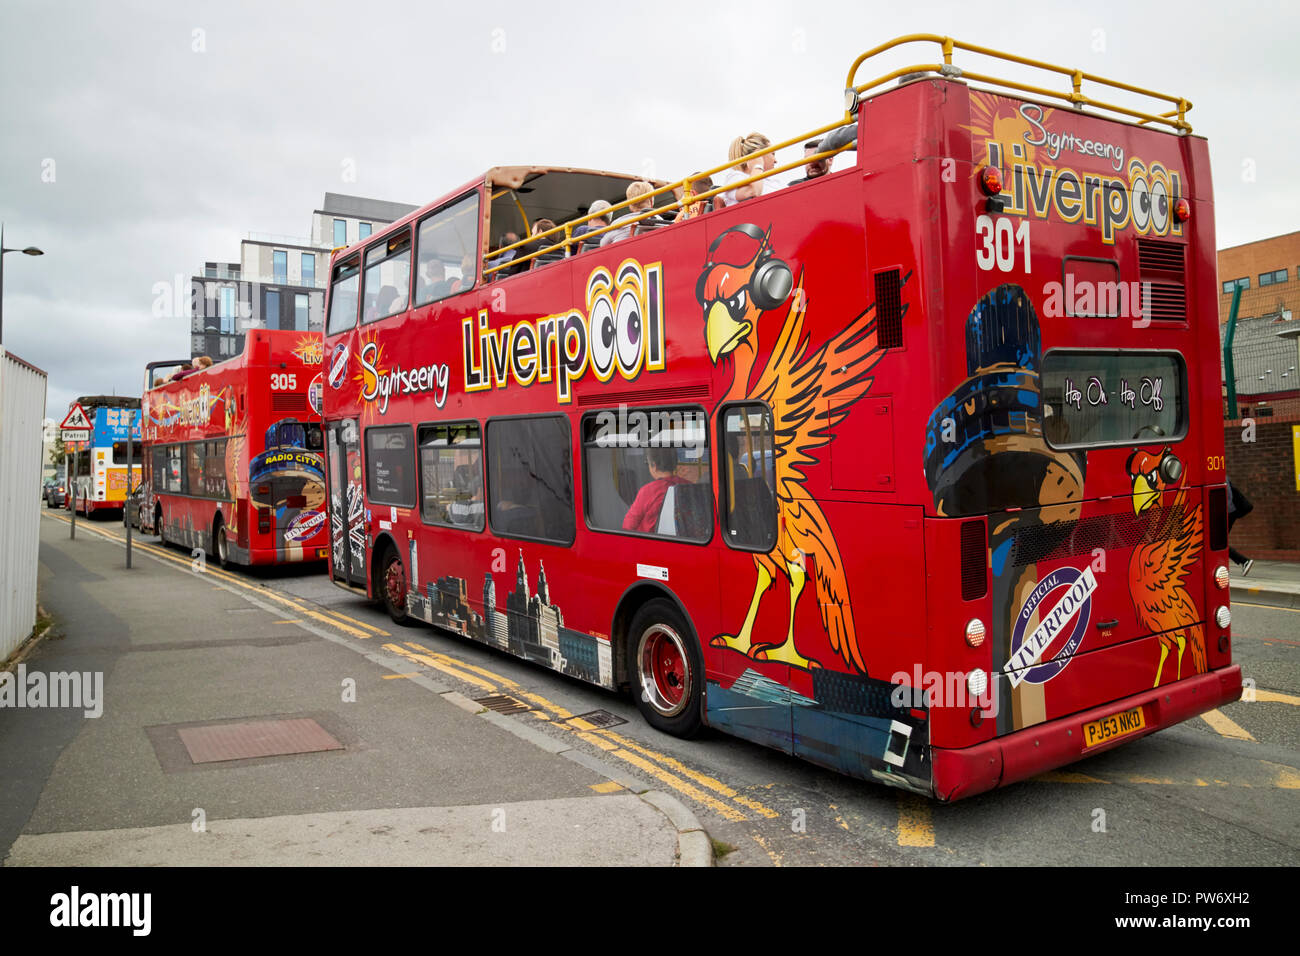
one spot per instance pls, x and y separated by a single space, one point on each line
22 409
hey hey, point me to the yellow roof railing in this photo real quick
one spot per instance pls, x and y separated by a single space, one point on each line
1175 118
562 236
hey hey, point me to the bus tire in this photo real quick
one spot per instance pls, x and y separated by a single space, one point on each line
390 586
159 527
221 544
666 669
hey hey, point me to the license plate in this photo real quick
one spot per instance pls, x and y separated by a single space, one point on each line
1116 725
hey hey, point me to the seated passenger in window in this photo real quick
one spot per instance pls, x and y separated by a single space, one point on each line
634 192
699 184
467 506
433 281
540 226
600 222
643 516
466 279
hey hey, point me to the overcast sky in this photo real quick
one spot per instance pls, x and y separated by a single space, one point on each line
138 140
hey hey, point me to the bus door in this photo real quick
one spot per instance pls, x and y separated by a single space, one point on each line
745 696
346 506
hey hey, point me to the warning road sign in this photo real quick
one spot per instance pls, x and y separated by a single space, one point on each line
76 418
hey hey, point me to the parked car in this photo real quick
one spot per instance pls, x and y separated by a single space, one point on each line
54 492
140 518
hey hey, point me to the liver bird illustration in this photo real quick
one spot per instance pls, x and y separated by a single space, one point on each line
810 393
1169 547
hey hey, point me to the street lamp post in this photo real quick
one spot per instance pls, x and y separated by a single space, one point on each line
29 251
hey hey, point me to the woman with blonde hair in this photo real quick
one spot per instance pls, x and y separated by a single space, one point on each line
741 147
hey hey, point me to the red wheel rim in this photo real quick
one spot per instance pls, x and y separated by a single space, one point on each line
395 584
665 674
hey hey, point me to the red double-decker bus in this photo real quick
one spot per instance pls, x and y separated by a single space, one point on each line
912 468
232 453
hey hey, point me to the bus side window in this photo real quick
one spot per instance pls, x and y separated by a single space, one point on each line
447 250
451 476
530 478
748 480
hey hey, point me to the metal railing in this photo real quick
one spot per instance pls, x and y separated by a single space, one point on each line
1175 118
279 240
564 233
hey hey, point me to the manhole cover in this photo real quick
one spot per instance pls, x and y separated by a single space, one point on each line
256 738
599 719
503 704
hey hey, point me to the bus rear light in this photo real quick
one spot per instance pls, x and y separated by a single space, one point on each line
1223 617
263 489
1221 577
975 632
991 180
977 682
263 520
1182 210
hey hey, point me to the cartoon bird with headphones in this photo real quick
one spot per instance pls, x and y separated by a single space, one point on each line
809 395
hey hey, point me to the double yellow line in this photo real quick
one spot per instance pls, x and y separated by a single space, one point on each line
699 787
349 625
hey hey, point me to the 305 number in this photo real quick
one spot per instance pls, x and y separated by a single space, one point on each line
283 381
997 242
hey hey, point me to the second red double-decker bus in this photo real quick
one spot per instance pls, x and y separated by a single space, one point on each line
233 452
912 468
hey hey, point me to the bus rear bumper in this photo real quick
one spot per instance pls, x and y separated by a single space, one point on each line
1034 750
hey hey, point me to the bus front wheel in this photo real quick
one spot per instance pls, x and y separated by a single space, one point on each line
391 585
666 668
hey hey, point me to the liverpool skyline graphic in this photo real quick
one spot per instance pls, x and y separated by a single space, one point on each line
530 625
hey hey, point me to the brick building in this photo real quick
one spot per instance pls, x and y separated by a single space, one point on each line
1265 358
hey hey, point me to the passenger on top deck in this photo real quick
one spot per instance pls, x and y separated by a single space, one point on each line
741 147
634 192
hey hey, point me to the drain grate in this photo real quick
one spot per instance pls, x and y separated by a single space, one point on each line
599 719
256 738
503 704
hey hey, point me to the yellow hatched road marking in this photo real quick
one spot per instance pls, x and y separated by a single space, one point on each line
914 825
1225 726
1272 696
609 786
399 676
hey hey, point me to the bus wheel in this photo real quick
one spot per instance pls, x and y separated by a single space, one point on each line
667 672
158 526
392 587
222 545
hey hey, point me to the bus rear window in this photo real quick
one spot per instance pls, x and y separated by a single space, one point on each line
1098 398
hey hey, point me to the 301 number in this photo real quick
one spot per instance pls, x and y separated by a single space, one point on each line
997 242
283 381
1214 463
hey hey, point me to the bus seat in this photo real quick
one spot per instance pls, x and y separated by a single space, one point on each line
693 509
546 258
628 486
668 512
753 508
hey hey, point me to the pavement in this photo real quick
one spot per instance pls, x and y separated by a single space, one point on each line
236 732
1275 583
